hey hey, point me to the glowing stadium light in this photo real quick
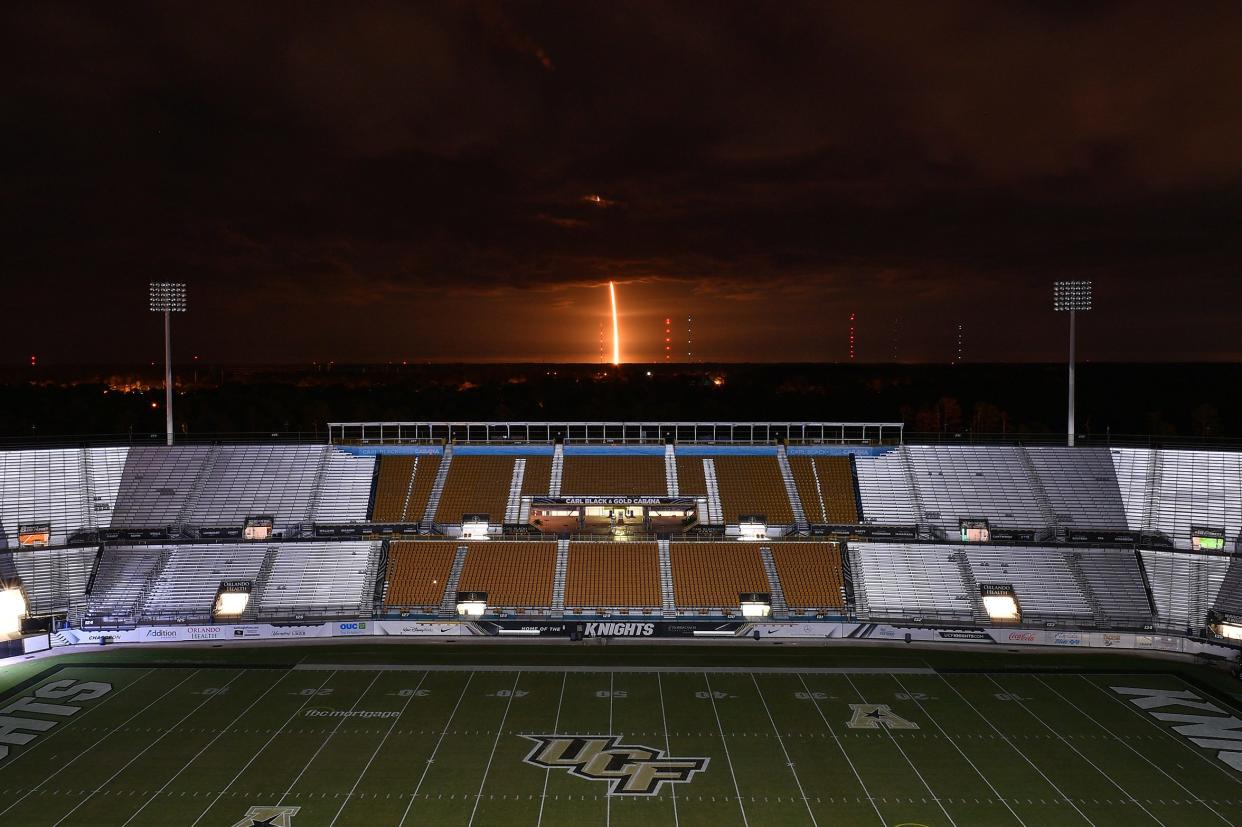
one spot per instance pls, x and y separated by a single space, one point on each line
1072 297
616 330
231 604
167 297
755 604
12 610
1000 602
1229 631
471 608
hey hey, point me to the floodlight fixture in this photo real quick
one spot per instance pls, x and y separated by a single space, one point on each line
12 610
1072 297
167 297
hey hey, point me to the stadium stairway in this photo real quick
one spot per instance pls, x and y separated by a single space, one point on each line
558 467
513 506
558 577
780 611
1041 495
972 585
795 502
670 470
715 511
260 585
668 607
409 489
1072 562
448 604
437 488
196 487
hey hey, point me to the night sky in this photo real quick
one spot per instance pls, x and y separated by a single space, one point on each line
459 181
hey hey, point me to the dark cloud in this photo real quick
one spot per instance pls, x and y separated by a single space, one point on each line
457 180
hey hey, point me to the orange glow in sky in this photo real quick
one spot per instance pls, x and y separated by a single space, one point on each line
616 331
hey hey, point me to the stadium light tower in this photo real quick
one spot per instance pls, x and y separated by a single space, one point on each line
168 297
1071 296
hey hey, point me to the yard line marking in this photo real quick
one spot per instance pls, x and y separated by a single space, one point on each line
499 731
197 755
1014 747
331 734
435 749
728 760
1132 749
902 750
681 670
1168 733
69 723
260 750
206 700
840 746
1065 741
556 729
668 750
378 747
952 741
94 744
788 760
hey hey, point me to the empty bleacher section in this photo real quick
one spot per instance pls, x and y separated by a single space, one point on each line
1172 491
476 484
345 490
895 581
1081 486
690 479
1116 584
189 576
708 577
51 578
417 574
319 580
121 580
826 488
242 481
1045 585
614 474
810 575
403 486
515 575
1183 586
611 576
886 489
974 482
538 476
752 485
72 489
157 485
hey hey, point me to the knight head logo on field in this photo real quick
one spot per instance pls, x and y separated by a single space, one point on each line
268 816
629 769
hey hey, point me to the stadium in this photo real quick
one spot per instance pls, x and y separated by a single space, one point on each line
603 622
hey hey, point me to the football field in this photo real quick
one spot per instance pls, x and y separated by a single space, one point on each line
354 744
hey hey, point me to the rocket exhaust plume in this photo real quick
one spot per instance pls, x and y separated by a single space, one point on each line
616 331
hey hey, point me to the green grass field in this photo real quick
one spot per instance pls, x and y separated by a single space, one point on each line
204 743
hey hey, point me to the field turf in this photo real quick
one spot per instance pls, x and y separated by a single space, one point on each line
186 743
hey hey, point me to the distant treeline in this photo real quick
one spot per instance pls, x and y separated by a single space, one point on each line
1190 401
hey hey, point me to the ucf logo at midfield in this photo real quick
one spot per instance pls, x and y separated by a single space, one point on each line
629 769
268 817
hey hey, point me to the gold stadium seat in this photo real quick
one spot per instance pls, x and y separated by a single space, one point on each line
832 500
417 573
752 485
618 575
514 574
476 484
709 576
810 574
626 475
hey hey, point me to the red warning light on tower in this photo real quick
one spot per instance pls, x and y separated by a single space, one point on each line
668 340
853 318
34 360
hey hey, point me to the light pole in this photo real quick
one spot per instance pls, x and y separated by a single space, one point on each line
168 297
1071 296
